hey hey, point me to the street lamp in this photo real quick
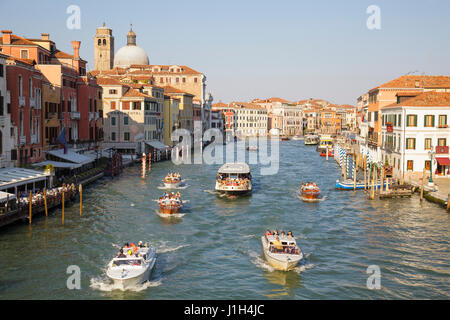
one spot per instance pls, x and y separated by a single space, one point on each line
431 154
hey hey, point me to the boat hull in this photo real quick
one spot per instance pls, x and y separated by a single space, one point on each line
172 184
280 261
169 209
350 185
234 189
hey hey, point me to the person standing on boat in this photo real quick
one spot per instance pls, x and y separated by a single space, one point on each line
120 254
278 245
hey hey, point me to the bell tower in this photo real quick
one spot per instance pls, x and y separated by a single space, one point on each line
103 49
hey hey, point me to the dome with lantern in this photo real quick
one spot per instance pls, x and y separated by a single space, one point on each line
131 53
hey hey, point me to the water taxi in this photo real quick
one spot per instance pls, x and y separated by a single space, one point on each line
311 140
326 141
281 252
252 148
297 137
132 266
284 138
234 178
309 190
170 203
323 153
172 180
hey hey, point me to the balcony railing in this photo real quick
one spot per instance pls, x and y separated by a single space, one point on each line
21 101
32 102
3 121
75 115
441 126
22 140
34 139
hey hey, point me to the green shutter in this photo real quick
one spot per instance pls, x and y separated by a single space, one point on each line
432 120
415 120
425 120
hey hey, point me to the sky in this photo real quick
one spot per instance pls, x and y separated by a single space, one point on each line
258 49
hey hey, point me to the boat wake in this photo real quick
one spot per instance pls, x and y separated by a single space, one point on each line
259 261
303 267
169 216
165 248
180 187
311 200
210 191
106 285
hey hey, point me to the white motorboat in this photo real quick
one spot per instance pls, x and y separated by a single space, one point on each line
311 140
297 137
133 267
252 148
234 178
172 180
283 255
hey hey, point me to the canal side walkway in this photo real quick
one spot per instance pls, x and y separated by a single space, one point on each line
438 194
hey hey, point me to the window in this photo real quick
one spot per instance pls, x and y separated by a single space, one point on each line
184 80
99 42
427 164
113 136
195 80
428 121
442 142
411 120
113 105
104 42
1 70
24 54
410 143
410 165
20 86
428 145
112 91
113 121
399 120
126 136
443 121
125 120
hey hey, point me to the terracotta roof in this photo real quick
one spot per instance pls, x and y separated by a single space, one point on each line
409 93
169 89
246 105
220 105
426 99
164 69
410 81
16 40
108 81
135 93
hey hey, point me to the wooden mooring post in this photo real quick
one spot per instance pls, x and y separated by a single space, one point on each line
63 207
423 182
81 199
45 203
30 204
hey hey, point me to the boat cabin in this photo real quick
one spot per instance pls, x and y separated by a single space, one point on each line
288 244
234 171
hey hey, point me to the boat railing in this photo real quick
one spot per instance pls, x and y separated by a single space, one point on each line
289 249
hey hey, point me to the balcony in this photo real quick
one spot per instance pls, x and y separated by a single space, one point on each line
32 102
21 101
22 140
34 139
96 115
3 121
75 115
91 116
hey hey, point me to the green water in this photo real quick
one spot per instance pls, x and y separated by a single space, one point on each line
214 250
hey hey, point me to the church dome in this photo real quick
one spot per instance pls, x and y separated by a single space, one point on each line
130 54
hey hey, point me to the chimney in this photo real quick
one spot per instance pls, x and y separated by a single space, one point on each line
76 49
6 36
45 36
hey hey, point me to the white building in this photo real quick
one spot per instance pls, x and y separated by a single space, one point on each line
414 128
6 136
251 119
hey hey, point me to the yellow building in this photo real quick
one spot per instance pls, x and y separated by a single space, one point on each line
186 115
171 117
51 125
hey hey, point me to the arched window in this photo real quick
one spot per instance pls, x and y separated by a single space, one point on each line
104 42
99 42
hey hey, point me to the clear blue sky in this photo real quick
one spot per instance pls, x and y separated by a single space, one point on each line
256 49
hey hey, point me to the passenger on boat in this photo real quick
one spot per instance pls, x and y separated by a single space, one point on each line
120 254
268 233
275 232
283 234
140 245
278 246
289 234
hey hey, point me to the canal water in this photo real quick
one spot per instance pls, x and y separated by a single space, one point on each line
214 250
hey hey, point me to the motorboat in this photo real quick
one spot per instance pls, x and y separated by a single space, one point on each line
132 266
172 180
170 203
311 140
234 178
325 143
252 148
284 138
323 153
297 137
282 253
309 190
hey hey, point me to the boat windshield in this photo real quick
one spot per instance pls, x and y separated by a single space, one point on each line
127 262
289 249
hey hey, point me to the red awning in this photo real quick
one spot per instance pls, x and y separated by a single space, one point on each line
443 161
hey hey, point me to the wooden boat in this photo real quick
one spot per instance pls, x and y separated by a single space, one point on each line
171 203
284 139
234 178
282 254
310 190
326 141
172 180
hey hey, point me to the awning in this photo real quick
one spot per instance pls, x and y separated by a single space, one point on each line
6 195
57 164
13 177
71 156
443 161
157 145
